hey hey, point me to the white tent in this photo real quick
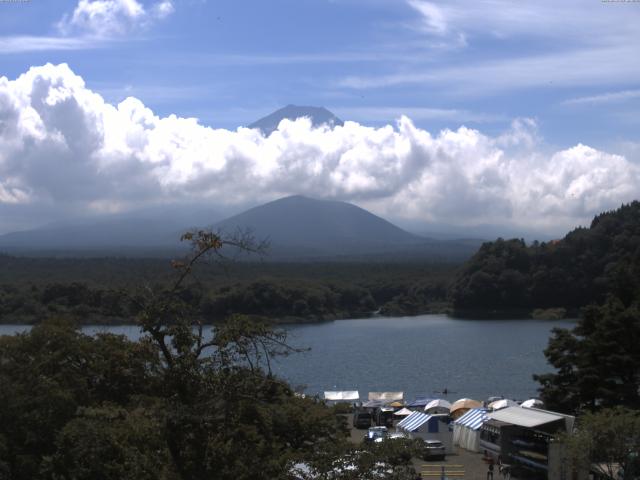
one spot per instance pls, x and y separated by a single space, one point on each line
437 406
403 413
342 396
386 396
503 403
466 429
532 403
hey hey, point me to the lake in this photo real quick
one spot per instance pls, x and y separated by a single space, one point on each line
416 355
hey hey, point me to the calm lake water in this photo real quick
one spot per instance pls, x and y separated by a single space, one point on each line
416 355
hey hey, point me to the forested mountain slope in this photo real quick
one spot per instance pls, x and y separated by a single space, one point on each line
582 268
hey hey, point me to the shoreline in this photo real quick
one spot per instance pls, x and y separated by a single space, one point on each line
288 321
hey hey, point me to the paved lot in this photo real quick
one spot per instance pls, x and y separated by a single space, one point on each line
462 464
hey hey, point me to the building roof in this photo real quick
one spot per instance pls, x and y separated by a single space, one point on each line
528 417
346 395
473 419
386 396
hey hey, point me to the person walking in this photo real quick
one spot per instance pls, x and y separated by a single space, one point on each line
490 471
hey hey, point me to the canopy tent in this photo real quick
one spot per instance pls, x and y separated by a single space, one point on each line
428 427
419 402
413 421
503 403
437 406
396 404
466 429
342 396
403 413
460 407
373 403
532 403
386 396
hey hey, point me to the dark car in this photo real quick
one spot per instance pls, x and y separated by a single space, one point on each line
362 419
433 449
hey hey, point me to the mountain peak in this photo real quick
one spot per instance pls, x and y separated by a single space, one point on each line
320 227
318 115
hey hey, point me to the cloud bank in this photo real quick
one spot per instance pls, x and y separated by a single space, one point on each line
64 149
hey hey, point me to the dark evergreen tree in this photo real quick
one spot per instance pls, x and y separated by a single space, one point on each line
598 362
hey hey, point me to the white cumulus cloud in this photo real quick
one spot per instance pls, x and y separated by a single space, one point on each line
106 18
63 147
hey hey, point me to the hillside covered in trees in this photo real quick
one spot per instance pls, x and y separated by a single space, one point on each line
507 276
107 290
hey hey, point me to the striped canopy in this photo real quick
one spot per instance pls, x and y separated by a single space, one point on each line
414 421
473 419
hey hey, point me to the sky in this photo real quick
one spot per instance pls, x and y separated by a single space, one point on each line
522 115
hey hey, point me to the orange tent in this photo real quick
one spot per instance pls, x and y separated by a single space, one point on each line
462 406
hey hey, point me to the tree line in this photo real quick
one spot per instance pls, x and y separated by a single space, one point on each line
292 296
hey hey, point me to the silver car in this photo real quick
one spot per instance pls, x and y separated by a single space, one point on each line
433 449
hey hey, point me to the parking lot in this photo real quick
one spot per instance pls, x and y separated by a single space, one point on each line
460 465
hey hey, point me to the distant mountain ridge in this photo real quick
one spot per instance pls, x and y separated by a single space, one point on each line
318 115
302 227
321 225
297 228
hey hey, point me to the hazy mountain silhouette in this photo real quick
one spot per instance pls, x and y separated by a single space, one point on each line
318 116
141 232
299 227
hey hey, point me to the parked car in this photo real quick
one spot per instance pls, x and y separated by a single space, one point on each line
398 436
376 434
433 449
361 419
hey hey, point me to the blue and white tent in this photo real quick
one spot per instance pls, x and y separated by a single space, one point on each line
414 421
466 429
428 427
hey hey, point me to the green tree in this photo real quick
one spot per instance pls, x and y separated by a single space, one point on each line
608 442
597 363
185 402
225 415
109 443
49 373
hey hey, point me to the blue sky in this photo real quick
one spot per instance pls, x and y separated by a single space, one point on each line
230 62
568 71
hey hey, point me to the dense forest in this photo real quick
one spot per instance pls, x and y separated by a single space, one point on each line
109 290
507 276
